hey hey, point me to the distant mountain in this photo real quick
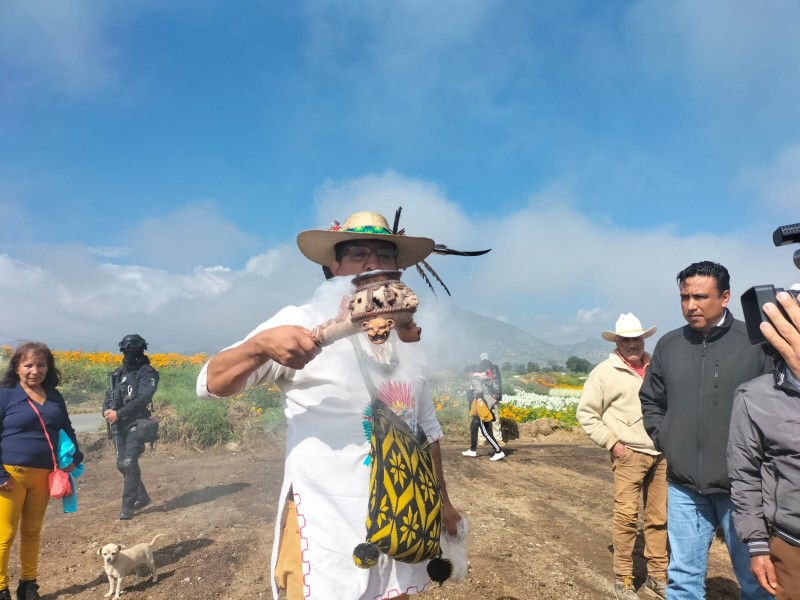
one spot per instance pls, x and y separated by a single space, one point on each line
455 337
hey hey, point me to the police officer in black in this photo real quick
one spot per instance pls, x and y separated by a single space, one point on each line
128 398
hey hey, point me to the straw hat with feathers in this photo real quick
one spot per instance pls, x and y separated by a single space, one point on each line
318 245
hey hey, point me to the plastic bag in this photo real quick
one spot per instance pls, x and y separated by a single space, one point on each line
454 548
60 485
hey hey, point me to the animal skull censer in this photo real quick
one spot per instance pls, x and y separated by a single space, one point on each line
380 304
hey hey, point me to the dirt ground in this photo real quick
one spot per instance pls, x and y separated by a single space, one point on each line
540 523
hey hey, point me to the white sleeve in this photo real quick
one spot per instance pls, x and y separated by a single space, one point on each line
426 414
270 371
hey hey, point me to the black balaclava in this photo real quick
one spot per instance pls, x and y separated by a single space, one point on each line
133 359
132 347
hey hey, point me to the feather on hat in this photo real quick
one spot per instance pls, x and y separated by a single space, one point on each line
318 245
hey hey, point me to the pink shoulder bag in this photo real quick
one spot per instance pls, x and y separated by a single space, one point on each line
60 485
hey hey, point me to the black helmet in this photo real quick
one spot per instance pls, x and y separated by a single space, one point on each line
132 342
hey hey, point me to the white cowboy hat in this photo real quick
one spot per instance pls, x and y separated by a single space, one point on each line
627 326
317 245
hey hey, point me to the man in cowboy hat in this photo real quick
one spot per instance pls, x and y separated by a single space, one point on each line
325 492
610 413
687 397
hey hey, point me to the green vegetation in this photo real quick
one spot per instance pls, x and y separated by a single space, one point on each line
202 422
578 365
508 368
258 413
83 383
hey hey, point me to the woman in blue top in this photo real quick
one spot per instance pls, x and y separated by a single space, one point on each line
26 458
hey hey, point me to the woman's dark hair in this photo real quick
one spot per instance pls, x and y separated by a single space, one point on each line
38 349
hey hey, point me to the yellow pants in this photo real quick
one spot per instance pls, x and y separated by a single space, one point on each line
289 564
26 503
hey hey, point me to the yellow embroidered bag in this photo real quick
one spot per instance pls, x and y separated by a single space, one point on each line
404 517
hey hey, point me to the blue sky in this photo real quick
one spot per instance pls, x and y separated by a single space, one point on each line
157 159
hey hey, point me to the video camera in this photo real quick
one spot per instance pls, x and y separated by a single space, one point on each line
754 299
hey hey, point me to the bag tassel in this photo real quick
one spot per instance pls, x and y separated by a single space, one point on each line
366 555
439 569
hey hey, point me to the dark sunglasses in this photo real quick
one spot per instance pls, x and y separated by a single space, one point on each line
361 253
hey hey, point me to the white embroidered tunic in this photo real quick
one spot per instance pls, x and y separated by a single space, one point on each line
326 450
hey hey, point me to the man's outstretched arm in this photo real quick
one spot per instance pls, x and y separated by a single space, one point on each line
288 345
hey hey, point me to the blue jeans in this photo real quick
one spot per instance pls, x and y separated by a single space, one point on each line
692 519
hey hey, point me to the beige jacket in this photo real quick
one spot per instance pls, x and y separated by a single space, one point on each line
609 409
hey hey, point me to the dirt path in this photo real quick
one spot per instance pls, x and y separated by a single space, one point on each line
539 519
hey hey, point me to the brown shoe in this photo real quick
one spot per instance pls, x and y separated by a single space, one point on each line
657 586
624 590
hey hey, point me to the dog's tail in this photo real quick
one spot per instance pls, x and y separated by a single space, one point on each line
155 538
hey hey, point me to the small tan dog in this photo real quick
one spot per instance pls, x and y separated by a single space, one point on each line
119 562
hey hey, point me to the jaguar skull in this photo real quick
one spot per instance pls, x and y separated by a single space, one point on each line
378 329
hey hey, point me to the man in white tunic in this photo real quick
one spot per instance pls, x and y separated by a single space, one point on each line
325 492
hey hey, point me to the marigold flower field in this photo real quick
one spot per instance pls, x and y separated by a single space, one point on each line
521 407
113 360
449 395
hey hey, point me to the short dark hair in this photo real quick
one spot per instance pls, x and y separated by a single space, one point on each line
11 378
706 268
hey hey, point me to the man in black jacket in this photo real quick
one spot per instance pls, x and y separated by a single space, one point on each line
687 396
128 398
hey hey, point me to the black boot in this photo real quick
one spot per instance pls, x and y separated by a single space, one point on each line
5 594
142 497
28 590
126 514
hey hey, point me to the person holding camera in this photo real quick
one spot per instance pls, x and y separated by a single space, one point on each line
784 335
763 446
128 399
687 397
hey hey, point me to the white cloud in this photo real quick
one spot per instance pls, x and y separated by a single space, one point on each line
111 251
269 263
66 46
419 62
777 186
192 235
74 296
425 206
591 316
91 304
552 271
733 51
550 260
